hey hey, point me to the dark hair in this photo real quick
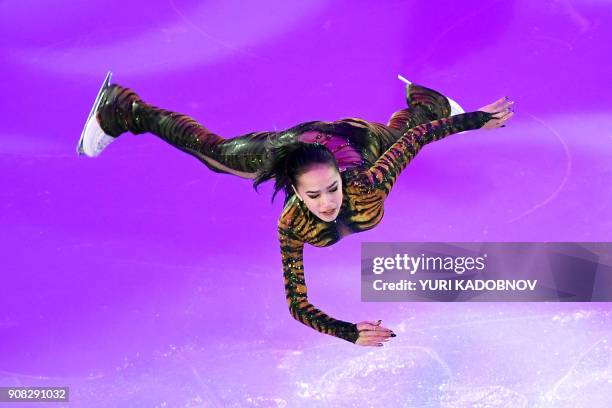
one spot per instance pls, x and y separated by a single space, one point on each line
286 161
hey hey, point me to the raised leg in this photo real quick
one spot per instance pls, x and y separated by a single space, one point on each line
122 110
424 105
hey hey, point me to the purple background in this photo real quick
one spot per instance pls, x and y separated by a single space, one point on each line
141 278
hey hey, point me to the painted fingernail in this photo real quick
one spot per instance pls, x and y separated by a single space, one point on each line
393 335
503 126
380 321
380 345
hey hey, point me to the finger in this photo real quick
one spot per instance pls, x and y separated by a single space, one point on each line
499 102
368 323
506 119
506 105
372 334
505 99
502 121
503 104
375 329
506 116
367 343
371 327
501 114
374 339
380 340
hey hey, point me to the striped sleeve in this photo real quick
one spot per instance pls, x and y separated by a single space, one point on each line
296 292
384 172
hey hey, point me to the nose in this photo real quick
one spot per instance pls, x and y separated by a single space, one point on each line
324 200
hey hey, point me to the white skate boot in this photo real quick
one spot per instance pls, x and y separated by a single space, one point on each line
93 139
456 109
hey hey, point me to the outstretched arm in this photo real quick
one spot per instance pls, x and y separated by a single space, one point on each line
297 295
387 168
365 333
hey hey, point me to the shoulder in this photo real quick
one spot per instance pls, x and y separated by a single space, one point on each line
357 178
291 218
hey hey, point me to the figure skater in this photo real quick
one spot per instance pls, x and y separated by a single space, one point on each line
335 175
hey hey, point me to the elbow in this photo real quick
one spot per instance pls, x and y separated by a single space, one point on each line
293 308
296 309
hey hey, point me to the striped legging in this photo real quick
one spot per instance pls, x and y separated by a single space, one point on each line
122 110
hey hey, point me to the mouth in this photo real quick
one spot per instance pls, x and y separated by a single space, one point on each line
328 213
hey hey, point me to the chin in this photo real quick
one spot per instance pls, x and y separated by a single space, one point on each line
328 218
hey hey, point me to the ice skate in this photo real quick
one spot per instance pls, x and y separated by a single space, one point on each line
456 109
93 140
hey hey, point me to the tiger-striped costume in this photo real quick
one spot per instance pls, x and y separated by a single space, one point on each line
369 155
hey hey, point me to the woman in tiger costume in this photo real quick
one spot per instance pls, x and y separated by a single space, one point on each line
335 175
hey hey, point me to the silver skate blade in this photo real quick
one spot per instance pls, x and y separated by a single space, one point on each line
456 109
401 78
105 85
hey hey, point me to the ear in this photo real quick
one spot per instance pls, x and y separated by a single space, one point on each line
296 193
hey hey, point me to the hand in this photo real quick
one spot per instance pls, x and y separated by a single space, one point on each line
373 334
502 110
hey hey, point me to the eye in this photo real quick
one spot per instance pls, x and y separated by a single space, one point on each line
333 189
313 197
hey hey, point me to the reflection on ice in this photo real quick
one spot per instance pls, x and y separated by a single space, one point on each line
411 375
588 382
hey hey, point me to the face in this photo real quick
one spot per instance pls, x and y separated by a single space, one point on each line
321 190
